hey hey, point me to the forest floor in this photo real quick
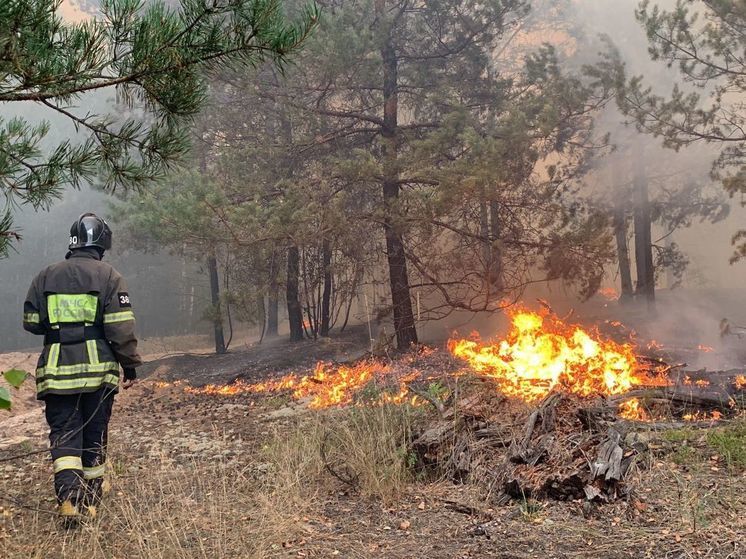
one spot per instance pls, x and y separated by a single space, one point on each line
199 475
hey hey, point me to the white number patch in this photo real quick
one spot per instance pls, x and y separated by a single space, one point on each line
124 300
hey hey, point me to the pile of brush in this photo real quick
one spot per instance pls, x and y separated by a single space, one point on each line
564 447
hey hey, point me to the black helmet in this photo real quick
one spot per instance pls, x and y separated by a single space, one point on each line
89 230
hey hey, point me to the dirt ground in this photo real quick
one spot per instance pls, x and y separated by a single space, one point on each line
197 475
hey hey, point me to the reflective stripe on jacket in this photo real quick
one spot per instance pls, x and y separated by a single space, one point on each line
68 301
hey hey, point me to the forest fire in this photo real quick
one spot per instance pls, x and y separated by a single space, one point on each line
326 387
633 410
541 354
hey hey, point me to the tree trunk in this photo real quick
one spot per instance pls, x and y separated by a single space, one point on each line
327 295
404 326
273 304
212 264
484 232
643 236
496 256
670 278
273 311
295 313
622 251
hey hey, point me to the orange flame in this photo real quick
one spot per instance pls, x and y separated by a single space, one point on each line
740 382
633 410
541 353
705 348
326 387
654 345
700 415
702 383
609 293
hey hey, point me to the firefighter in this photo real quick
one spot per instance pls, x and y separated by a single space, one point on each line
82 308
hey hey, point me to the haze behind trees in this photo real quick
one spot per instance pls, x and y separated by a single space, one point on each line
460 170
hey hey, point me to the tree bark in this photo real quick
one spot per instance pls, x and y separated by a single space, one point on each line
273 311
404 326
496 256
273 299
622 251
327 295
295 313
643 235
212 264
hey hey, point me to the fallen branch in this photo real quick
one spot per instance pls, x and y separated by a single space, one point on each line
462 508
351 480
674 394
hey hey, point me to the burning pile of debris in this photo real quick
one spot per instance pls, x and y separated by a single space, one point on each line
568 417
551 410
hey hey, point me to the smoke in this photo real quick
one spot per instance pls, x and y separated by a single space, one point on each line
711 289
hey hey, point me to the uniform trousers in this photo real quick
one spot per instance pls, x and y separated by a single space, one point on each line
78 432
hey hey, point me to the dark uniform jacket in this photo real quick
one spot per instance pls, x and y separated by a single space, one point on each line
83 309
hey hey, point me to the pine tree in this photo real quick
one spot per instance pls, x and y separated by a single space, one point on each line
454 128
705 41
154 57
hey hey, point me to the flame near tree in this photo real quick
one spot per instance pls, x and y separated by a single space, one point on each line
328 385
541 353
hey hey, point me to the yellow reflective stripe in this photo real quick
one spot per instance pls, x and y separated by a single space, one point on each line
77 383
118 317
94 472
78 369
68 307
92 352
67 463
53 356
31 317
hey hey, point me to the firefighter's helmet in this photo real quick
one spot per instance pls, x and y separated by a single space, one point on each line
89 230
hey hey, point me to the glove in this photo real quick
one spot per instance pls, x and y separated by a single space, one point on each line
130 374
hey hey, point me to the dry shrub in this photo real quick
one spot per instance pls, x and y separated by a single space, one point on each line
365 447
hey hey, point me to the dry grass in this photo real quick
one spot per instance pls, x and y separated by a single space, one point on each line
366 448
251 507
198 510
278 498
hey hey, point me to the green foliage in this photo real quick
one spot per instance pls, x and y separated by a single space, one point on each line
730 443
679 435
530 509
693 447
437 390
155 56
15 377
704 40
4 398
489 143
474 130
689 456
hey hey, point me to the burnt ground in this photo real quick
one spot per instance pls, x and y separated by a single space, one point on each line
273 357
190 475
